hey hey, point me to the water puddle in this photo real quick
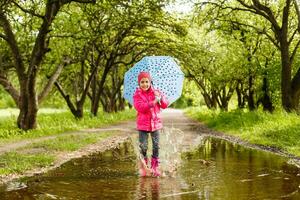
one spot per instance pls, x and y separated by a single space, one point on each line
216 169
222 170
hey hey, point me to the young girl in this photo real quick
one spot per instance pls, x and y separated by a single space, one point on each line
148 102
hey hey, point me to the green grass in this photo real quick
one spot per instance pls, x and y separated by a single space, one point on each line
69 142
13 162
279 129
51 123
43 154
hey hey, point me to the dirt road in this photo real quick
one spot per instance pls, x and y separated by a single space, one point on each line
173 119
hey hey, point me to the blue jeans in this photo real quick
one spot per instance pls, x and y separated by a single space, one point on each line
143 139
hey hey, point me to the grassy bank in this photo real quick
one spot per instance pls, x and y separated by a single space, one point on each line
45 153
60 121
280 129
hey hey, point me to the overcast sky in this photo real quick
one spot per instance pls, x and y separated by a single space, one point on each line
181 6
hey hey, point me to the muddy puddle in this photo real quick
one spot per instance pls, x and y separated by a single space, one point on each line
215 169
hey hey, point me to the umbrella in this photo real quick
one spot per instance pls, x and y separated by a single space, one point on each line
166 76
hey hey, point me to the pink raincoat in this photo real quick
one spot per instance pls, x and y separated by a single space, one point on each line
148 116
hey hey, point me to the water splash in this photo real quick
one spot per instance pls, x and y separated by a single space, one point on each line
170 149
169 153
173 141
15 185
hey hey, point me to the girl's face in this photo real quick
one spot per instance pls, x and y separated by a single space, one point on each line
145 84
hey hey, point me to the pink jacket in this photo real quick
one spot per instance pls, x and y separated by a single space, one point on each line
148 118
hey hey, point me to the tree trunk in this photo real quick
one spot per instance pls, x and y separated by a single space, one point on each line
251 104
100 86
286 73
28 106
28 99
265 100
286 77
93 90
79 111
121 105
225 96
295 90
295 101
77 107
214 99
210 100
240 97
27 117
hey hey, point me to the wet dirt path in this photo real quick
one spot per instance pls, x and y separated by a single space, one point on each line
172 119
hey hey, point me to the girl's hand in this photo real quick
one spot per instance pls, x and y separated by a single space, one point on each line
157 97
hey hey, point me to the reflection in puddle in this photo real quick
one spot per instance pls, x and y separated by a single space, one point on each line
236 172
216 169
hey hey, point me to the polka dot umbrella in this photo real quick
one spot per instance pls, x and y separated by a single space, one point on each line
166 76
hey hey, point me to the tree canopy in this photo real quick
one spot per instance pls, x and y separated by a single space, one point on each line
245 51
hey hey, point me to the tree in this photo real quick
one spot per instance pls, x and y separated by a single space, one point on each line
212 63
120 33
16 16
281 27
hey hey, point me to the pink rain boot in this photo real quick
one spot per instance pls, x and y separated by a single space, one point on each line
143 167
154 167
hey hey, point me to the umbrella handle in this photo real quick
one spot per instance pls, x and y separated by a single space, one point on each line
154 89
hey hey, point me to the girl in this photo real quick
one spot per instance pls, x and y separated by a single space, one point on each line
148 102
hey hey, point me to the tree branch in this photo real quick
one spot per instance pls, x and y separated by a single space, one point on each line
65 96
79 1
285 17
52 79
87 85
12 43
298 13
3 36
292 37
266 12
295 84
28 11
259 31
261 10
294 52
258 9
10 89
40 46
